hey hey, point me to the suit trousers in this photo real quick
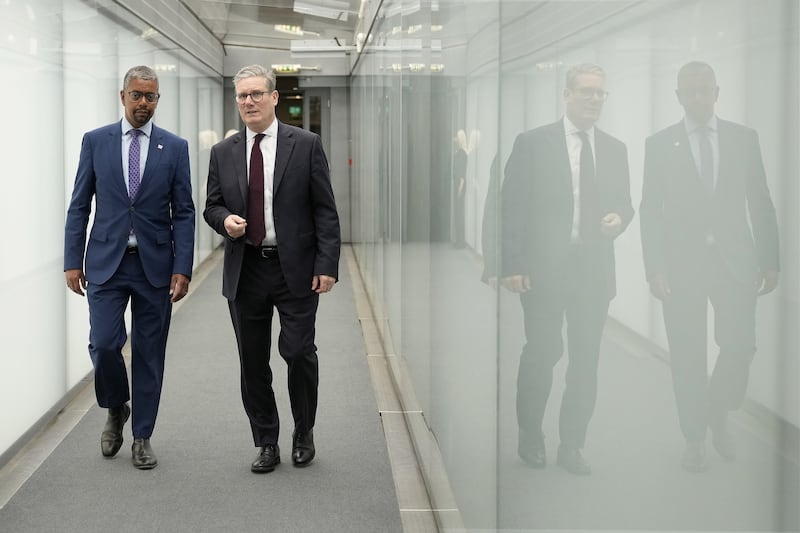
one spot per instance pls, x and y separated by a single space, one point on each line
150 318
262 289
702 402
582 299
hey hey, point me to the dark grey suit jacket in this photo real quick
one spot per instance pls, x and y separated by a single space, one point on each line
304 211
537 204
678 214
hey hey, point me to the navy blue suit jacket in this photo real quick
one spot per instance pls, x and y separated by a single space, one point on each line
303 207
162 215
678 213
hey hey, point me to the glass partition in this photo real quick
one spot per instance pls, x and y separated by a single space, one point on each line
440 95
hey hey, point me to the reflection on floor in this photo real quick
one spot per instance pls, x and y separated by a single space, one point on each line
634 443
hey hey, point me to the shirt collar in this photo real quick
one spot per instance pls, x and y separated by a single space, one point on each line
572 129
147 129
692 126
271 130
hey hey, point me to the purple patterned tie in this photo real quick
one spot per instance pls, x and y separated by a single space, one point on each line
134 154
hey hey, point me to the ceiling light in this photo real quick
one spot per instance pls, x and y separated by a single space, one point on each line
287 28
328 47
291 68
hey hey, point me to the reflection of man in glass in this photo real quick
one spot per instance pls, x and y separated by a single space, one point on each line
564 199
703 177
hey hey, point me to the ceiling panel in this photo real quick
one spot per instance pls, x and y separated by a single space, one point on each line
252 22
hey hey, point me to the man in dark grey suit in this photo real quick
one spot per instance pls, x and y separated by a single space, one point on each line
270 196
565 199
703 178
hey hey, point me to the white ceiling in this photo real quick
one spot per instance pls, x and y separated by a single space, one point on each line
251 23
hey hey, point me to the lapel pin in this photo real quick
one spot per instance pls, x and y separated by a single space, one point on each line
160 146
677 143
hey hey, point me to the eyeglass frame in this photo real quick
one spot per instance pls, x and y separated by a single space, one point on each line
242 98
587 93
151 98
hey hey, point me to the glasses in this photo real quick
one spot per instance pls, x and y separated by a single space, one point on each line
588 93
150 97
696 92
255 96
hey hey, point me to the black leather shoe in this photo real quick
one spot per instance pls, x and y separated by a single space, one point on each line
694 457
303 447
531 449
723 442
142 454
111 438
571 460
268 458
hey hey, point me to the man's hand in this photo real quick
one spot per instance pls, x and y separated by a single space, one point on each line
611 225
518 283
76 281
769 280
659 287
178 287
235 226
322 283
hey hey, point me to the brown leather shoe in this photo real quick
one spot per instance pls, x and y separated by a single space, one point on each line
142 454
111 438
303 451
268 458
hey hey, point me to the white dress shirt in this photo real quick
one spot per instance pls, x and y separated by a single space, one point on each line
692 130
574 145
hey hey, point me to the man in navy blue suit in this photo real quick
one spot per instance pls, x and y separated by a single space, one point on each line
270 196
709 233
140 249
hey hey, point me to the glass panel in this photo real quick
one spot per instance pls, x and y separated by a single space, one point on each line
443 91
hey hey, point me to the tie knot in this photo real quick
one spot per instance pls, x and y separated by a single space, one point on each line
258 137
583 135
703 131
135 133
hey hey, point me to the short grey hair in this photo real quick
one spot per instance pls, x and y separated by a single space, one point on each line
253 71
140 72
583 68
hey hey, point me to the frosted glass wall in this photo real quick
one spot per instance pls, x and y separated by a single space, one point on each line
494 69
